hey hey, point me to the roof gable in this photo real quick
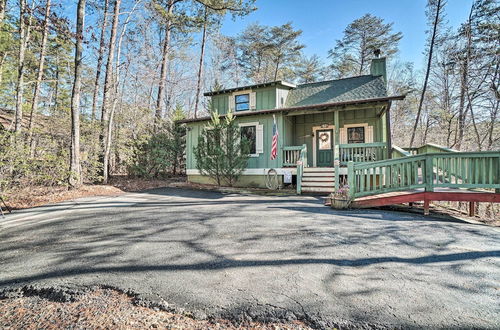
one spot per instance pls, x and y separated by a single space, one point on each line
342 90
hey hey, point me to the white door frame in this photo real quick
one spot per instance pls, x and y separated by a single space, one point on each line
319 128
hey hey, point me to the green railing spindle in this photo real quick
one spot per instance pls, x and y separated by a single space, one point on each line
428 171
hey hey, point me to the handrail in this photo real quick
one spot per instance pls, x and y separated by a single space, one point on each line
399 152
300 167
429 171
357 145
293 148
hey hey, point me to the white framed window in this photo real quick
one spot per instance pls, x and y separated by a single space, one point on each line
242 102
254 133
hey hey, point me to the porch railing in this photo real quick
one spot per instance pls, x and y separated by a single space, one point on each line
291 155
296 156
429 171
362 152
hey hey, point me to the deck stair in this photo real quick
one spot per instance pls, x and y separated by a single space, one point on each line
318 180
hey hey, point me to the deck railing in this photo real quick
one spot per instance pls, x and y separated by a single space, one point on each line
362 152
429 171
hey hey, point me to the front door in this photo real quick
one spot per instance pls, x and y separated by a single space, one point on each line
324 148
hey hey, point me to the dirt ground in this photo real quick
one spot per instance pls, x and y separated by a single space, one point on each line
27 197
107 309
33 196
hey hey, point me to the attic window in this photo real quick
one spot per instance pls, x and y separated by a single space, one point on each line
242 102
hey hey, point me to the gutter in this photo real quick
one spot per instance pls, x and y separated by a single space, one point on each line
302 107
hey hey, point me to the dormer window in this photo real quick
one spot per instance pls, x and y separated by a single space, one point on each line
242 102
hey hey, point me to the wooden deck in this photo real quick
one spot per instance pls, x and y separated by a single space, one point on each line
419 195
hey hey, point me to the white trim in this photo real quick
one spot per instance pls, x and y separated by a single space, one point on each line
316 128
256 124
234 94
251 171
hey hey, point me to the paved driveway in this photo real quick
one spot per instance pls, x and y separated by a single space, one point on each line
262 257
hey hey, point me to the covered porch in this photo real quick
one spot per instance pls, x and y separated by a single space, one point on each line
332 137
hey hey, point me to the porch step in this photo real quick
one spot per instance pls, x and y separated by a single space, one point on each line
323 190
318 184
322 178
318 174
319 169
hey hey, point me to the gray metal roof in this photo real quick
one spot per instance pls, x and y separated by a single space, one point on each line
341 90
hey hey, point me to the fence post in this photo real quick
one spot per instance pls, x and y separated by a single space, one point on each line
350 179
428 176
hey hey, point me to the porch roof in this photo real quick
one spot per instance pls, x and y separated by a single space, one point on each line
320 106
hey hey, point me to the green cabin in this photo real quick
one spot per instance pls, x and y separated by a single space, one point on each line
322 126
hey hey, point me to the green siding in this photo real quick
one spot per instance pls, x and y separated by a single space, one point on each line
220 103
304 125
293 131
265 98
262 161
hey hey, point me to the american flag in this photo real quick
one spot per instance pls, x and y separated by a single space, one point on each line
274 145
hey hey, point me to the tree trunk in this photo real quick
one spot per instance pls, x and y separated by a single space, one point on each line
75 176
200 69
108 86
34 104
3 55
464 77
3 4
23 36
109 131
427 72
56 88
100 56
276 68
164 62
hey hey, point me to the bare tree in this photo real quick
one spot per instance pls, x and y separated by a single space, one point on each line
39 77
75 177
24 36
202 55
100 57
438 6
109 132
108 88
164 60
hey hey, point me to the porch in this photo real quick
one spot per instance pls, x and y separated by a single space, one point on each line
326 140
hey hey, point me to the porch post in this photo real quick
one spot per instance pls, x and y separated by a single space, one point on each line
336 148
388 130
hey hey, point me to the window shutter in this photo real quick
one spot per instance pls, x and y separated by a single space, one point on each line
260 139
369 134
232 103
253 100
343 135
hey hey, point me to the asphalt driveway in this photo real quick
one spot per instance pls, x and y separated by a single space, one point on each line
262 257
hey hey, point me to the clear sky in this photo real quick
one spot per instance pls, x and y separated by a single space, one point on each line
323 21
